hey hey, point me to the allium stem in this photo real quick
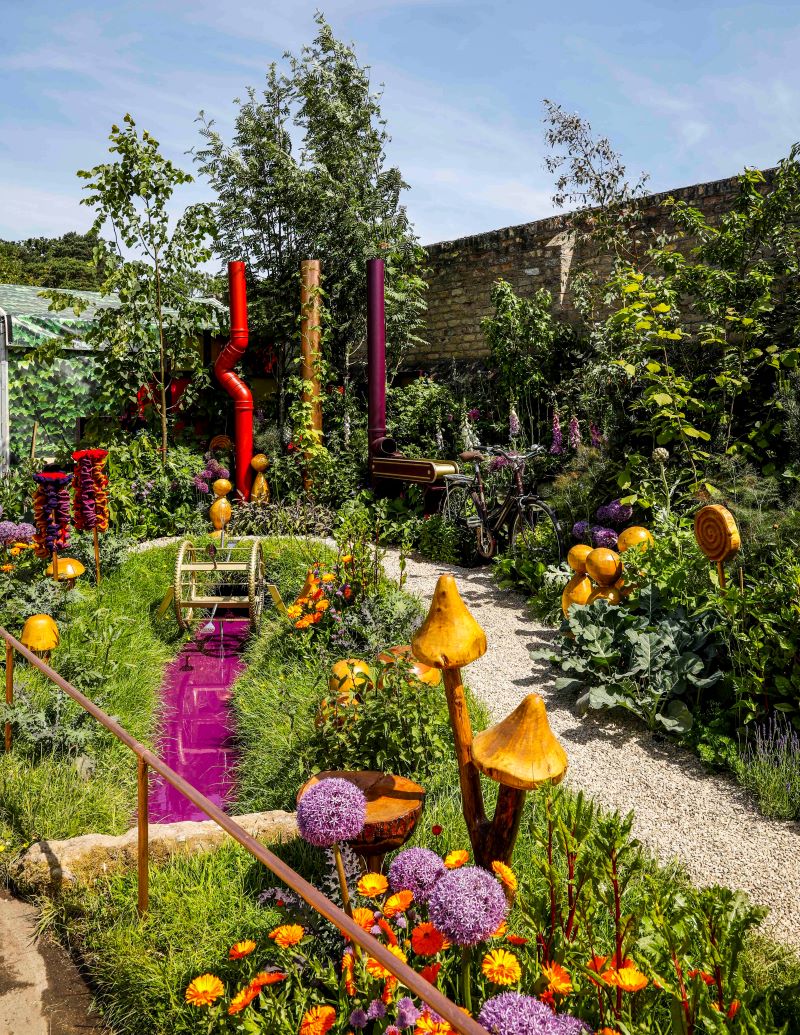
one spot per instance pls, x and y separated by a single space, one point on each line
466 977
337 854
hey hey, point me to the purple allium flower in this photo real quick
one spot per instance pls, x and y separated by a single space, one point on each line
579 530
615 513
200 484
514 426
358 1018
595 435
416 870
376 1010
603 537
474 413
512 1013
407 1013
8 533
557 446
400 921
467 905
25 532
330 811
574 433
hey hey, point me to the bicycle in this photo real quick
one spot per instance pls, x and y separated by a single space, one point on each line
522 518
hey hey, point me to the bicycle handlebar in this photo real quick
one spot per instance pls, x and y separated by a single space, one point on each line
527 455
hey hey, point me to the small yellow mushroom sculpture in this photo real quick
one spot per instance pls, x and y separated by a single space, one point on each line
598 572
40 634
519 753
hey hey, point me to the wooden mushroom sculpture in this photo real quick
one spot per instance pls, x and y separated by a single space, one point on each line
40 634
520 753
65 569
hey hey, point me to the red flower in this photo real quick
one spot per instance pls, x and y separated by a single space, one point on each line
548 999
340 389
436 829
516 939
708 978
431 972
291 446
733 1008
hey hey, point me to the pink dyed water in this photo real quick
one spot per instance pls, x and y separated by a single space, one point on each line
196 732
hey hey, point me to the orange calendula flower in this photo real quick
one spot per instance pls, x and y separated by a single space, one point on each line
501 930
347 559
398 903
453 860
323 605
426 1025
241 949
262 979
328 577
426 940
501 967
377 970
204 990
365 918
391 937
516 939
372 884
558 980
244 998
6 567
318 1020
389 987
607 1031
294 611
431 972
287 935
629 978
348 962
505 875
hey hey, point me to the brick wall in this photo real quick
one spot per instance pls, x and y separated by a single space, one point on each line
461 273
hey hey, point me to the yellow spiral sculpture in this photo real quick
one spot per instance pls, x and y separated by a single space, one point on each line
717 536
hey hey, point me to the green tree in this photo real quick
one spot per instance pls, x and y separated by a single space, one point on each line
330 196
153 275
54 262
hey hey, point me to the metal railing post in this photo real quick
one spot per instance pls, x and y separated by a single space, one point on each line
143 853
9 688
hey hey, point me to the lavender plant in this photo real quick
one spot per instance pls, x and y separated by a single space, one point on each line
769 767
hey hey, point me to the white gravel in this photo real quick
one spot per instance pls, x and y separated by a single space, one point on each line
683 813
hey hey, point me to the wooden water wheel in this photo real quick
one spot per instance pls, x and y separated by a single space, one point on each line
230 579
394 806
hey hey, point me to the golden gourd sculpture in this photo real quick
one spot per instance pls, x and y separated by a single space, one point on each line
717 536
598 572
519 753
220 510
260 490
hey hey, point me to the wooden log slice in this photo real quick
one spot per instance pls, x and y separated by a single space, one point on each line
394 806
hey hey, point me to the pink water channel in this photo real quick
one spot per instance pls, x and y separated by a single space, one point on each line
195 728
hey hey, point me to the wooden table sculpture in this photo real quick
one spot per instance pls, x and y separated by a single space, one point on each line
394 806
519 753
717 536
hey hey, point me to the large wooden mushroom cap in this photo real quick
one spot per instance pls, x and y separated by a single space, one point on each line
449 637
40 634
68 569
521 751
424 673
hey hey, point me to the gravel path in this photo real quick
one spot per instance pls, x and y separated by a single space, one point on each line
682 812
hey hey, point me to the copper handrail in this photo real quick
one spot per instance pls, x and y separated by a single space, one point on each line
408 977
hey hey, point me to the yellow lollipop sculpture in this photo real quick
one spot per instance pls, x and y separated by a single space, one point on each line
220 510
717 536
260 491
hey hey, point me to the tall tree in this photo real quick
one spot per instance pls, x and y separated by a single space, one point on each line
330 196
55 262
153 274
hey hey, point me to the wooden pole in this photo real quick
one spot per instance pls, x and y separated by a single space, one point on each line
9 688
55 565
468 775
33 439
310 336
337 854
96 555
721 573
143 838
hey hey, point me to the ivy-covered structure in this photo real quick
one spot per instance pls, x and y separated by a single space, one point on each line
47 371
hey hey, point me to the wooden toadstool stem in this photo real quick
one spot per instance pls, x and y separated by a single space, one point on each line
500 836
469 778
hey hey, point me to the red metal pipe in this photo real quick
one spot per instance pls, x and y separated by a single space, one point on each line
233 384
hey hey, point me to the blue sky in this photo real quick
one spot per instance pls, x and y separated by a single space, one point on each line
687 92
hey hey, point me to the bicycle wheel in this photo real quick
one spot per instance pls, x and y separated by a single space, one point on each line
536 533
461 510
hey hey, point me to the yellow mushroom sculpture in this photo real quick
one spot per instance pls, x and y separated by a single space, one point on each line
40 634
519 753
66 569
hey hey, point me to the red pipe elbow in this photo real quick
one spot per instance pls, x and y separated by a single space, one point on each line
233 384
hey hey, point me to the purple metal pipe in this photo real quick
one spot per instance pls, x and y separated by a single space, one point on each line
376 354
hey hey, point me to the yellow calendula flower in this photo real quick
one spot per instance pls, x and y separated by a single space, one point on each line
629 978
372 884
204 990
377 970
399 903
501 967
287 935
505 875
558 980
294 611
323 605
347 559
240 949
328 577
453 860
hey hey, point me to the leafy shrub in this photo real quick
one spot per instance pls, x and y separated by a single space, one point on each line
49 724
621 658
375 622
303 516
440 540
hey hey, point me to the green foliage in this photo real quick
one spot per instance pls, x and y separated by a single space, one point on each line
769 767
54 262
424 416
651 666
153 269
299 517
306 175
440 540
